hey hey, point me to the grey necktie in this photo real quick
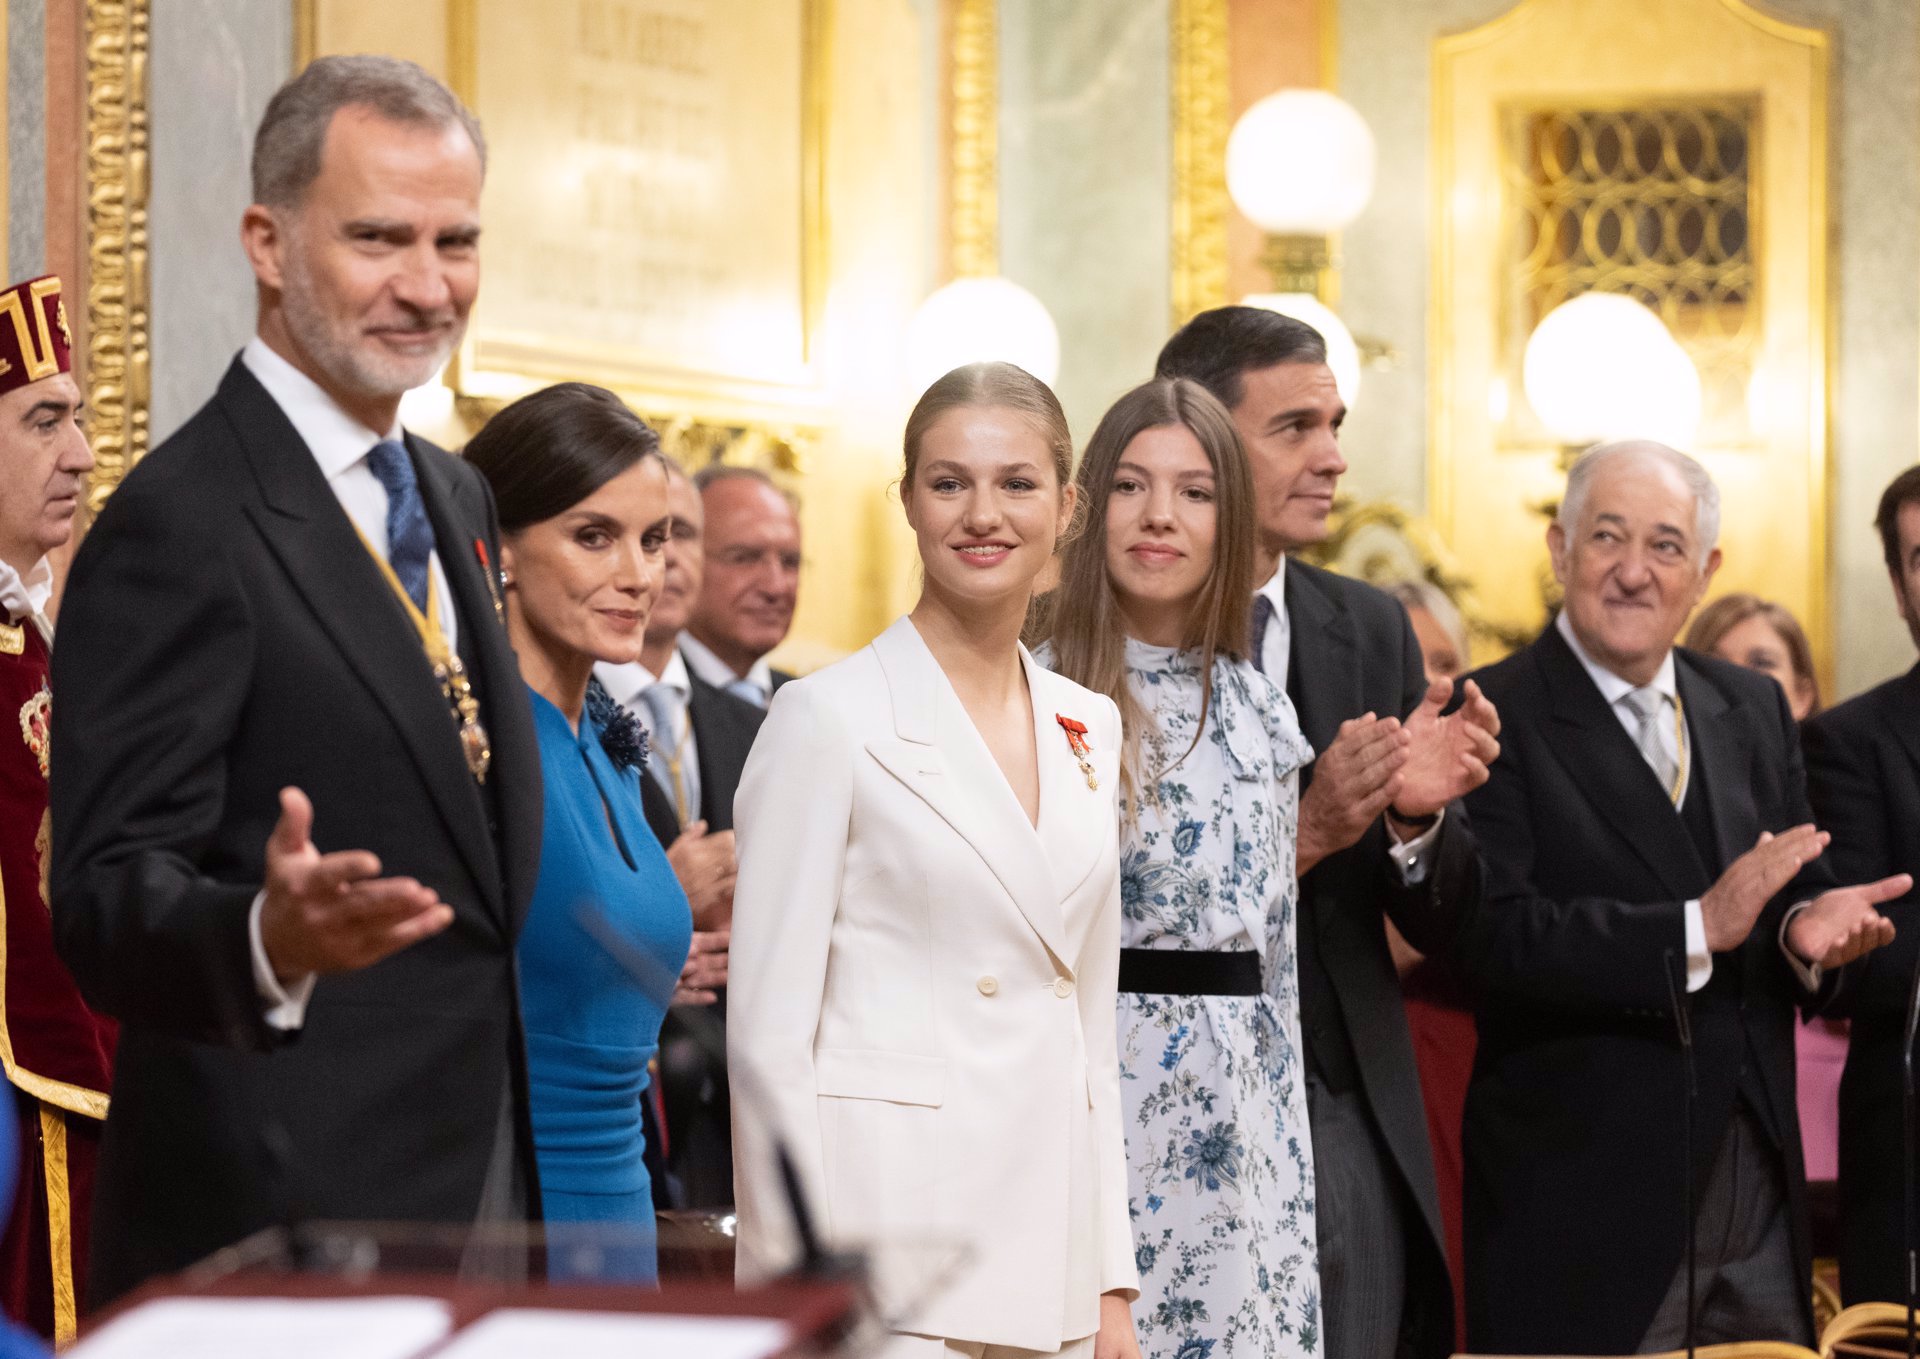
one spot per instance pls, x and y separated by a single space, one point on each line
668 710
1649 706
747 689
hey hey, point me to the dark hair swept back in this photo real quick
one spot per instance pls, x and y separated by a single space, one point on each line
1218 348
1902 490
552 449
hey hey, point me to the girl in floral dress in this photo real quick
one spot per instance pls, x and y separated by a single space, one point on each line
1153 611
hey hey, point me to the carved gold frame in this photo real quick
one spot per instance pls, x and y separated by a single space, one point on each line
1201 119
973 187
119 359
699 422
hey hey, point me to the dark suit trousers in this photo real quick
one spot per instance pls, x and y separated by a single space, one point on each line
1362 1218
1744 1277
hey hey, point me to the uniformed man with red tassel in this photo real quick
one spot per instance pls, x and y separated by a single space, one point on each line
57 1054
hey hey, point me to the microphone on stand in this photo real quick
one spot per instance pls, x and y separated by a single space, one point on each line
1906 1159
1683 1025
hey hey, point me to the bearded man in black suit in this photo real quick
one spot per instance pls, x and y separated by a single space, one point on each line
1377 836
1648 846
297 802
1863 776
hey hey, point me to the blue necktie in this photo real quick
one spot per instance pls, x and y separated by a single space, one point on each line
751 692
409 535
1262 615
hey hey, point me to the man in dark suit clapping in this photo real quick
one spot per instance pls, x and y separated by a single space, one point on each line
1647 836
1376 837
1863 776
297 801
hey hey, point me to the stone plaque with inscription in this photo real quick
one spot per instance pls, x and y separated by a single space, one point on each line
648 206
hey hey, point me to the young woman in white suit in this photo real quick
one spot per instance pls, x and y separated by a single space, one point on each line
927 928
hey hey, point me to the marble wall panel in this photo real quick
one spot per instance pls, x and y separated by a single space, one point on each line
214 65
1085 165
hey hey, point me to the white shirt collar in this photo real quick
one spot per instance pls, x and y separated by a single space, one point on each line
1276 587
336 440
22 597
717 672
1612 687
627 683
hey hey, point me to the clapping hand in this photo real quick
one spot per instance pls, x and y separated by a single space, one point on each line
706 969
1447 756
1354 780
1841 925
704 863
1729 907
334 912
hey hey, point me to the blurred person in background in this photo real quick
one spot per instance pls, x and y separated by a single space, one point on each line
751 582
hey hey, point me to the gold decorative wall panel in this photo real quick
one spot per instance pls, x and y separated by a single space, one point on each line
1201 121
118 371
1674 150
974 150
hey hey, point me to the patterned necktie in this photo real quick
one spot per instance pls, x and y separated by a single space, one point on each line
1649 705
668 711
1262 615
409 535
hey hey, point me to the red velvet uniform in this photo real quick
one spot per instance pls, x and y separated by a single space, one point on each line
58 1054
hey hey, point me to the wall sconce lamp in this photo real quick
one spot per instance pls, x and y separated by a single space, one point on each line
1300 167
1602 366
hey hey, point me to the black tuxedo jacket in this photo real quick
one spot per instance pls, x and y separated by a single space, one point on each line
697 1171
1863 776
1352 651
1575 1177
724 726
224 635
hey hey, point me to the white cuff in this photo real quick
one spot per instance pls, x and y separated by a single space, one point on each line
286 1007
1699 960
1414 858
1807 973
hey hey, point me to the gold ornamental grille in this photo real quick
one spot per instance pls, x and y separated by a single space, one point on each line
1653 201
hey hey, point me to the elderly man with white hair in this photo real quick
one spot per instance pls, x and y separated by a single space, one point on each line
1649 849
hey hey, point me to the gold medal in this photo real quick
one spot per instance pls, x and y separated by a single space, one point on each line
13 641
474 742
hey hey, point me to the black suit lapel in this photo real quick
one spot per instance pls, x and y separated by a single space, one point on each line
1903 713
1609 769
459 517
1323 662
314 540
1721 754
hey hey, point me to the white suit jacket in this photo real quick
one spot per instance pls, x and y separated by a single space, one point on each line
921 997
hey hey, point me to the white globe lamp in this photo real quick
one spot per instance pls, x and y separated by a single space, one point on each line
1601 367
977 320
1300 163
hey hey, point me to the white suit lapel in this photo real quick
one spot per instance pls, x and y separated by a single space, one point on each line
941 759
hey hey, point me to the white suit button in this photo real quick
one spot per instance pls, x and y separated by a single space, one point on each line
987 986
1063 987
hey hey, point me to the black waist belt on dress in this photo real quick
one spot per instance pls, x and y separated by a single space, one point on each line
1176 972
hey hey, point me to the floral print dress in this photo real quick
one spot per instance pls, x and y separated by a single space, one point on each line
1213 1088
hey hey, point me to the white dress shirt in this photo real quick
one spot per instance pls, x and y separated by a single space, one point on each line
628 684
720 675
340 444
27 596
1612 690
1413 858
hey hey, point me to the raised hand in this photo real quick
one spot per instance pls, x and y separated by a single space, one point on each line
1733 903
1354 780
334 912
1841 925
706 868
1448 756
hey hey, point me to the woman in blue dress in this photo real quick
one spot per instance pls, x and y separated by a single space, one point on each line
581 490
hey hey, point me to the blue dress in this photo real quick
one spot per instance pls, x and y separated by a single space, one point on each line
592 1026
